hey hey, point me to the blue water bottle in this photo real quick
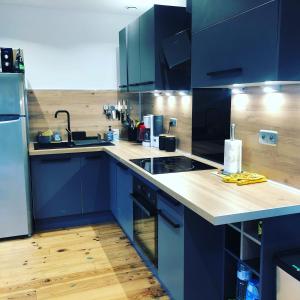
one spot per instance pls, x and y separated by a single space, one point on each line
243 277
253 289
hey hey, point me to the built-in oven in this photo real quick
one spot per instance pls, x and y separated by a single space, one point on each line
145 219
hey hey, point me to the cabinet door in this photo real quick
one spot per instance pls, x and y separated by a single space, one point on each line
209 12
124 201
171 249
123 58
241 50
147 48
95 183
133 52
56 186
113 187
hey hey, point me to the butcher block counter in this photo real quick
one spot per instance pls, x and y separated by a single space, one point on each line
202 191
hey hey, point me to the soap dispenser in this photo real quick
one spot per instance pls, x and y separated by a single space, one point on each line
109 134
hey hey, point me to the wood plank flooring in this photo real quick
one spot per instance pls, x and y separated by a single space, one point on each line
86 263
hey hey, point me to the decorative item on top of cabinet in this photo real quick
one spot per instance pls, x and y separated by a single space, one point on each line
239 43
147 67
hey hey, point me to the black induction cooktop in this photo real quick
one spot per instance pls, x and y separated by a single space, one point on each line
172 164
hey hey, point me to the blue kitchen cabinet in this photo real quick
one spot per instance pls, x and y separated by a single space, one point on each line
261 44
209 12
113 187
147 48
241 50
123 199
95 183
171 245
133 52
56 186
147 67
123 59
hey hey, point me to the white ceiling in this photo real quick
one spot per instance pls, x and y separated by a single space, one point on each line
99 6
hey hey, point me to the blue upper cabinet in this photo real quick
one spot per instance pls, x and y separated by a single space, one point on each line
133 51
209 12
147 65
147 49
123 84
95 183
260 44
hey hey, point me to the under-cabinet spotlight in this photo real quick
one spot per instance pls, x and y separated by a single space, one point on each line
156 94
271 89
237 91
182 93
168 94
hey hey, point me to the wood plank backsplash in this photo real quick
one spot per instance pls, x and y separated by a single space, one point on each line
179 107
251 112
85 107
281 112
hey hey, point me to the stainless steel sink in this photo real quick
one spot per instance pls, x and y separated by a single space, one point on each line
74 144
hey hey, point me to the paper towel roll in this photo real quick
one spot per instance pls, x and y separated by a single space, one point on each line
233 156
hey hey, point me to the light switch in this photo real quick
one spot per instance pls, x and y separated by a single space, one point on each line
268 137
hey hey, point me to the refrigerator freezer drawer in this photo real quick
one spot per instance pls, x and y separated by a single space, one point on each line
14 179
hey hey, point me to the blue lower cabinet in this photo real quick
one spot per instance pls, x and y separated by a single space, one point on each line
113 187
56 186
171 247
124 205
95 183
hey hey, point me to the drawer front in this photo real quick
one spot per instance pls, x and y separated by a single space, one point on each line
170 203
209 12
171 250
242 50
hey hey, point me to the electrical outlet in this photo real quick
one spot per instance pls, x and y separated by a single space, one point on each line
268 137
173 122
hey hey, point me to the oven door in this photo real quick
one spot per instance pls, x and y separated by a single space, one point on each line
145 227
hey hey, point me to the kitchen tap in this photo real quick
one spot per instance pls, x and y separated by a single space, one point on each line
69 123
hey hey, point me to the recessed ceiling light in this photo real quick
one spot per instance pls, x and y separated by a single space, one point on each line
131 7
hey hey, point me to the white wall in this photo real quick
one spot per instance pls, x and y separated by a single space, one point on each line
64 49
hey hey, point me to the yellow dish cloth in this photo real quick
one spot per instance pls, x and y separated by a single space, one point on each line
244 178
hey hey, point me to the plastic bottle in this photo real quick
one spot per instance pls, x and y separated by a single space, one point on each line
109 134
253 289
243 277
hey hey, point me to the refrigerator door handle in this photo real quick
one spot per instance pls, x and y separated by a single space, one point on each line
9 119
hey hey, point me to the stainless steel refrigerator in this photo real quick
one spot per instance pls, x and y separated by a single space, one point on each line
15 204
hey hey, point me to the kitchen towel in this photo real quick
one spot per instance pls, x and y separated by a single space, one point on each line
233 156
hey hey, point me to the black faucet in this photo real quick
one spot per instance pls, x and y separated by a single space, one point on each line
69 123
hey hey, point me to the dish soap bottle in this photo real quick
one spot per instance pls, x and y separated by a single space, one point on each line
109 134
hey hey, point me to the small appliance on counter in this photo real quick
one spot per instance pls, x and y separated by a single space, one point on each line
233 154
153 128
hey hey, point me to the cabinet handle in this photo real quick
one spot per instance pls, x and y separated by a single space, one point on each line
122 86
133 84
168 198
224 72
168 219
122 166
46 160
147 82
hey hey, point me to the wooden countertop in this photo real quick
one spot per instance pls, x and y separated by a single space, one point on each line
201 191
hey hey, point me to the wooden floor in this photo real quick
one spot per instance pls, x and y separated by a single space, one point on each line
86 263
